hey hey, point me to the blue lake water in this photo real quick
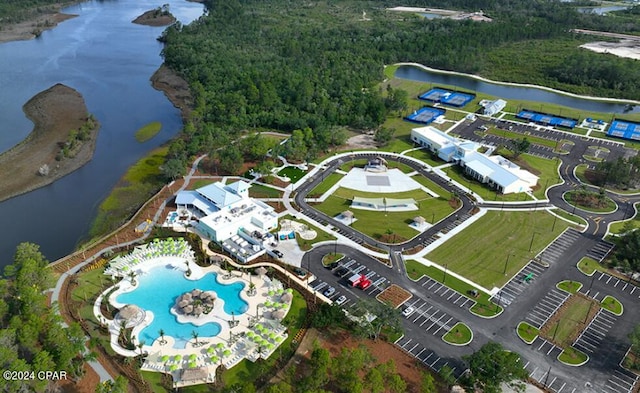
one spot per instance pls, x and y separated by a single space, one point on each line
109 60
157 292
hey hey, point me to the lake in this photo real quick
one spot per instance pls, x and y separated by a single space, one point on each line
511 92
109 60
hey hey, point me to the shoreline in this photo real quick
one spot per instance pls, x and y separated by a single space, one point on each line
175 88
527 85
55 112
33 27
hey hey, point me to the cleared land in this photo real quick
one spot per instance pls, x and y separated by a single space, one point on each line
480 252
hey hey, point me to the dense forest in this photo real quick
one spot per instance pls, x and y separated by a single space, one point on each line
288 66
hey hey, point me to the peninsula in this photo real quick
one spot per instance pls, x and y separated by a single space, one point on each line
63 139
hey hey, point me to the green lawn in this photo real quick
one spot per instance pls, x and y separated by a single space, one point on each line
573 356
378 223
571 217
460 334
612 304
569 286
431 185
325 185
330 258
292 173
262 191
481 251
571 319
546 170
528 333
483 306
589 266
148 131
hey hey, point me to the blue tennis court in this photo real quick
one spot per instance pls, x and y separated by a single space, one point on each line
425 115
547 119
624 129
447 97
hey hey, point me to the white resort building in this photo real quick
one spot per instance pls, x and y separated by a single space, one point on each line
496 171
230 217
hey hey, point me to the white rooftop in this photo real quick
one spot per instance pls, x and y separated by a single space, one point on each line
435 135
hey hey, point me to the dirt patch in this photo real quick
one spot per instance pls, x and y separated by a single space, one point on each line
359 142
155 17
625 48
86 384
175 88
32 28
394 296
55 112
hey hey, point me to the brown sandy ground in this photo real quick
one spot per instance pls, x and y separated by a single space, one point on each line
153 18
175 88
54 112
30 29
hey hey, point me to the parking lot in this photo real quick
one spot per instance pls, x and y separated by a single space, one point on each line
518 284
621 381
552 253
591 337
546 307
444 292
429 357
342 271
429 317
600 251
613 282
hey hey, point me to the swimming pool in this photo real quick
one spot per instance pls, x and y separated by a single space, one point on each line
157 292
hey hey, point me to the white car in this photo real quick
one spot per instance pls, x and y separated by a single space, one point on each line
341 300
330 291
408 311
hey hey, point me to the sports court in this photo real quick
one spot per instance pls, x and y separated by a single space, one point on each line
425 115
547 119
624 129
447 97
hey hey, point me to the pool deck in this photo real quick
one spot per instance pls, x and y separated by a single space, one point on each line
255 328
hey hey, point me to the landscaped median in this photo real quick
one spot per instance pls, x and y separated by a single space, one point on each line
572 357
528 333
612 305
459 335
589 266
569 286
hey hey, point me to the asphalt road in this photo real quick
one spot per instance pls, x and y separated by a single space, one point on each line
606 339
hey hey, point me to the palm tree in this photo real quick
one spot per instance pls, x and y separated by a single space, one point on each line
188 273
161 333
252 289
140 345
132 277
195 335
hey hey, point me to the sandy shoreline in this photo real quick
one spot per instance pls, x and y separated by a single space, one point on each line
54 112
31 28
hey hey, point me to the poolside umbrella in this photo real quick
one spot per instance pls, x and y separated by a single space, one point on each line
271 293
286 297
267 304
164 358
226 352
211 350
173 367
250 334
272 335
279 314
270 346
215 359
192 364
259 326
177 358
289 290
220 345
278 339
193 357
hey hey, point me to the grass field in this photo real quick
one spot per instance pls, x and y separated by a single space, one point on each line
431 185
612 304
569 286
460 334
570 322
620 227
262 191
148 131
571 217
426 157
528 333
589 266
573 356
292 173
325 185
481 251
379 223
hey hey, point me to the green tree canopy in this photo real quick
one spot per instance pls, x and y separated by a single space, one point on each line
492 365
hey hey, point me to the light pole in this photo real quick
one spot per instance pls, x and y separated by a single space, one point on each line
505 264
533 235
444 279
555 218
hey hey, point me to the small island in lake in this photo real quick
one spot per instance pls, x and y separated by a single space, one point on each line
156 17
63 139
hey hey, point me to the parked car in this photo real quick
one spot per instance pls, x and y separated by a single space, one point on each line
329 291
278 253
408 311
300 272
341 271
341 300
